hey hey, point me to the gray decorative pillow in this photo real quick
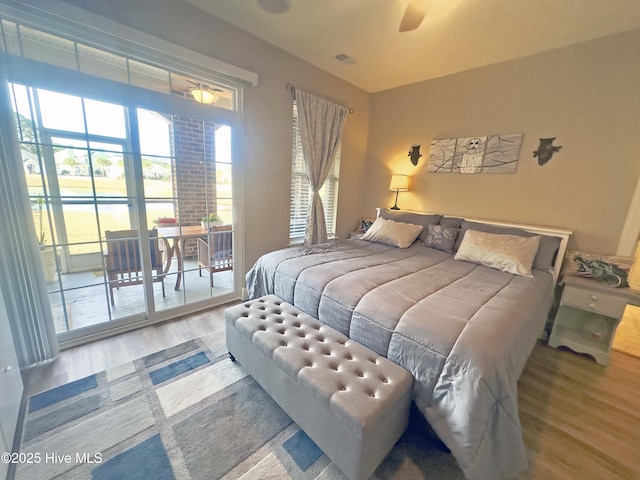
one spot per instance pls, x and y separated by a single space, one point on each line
441 237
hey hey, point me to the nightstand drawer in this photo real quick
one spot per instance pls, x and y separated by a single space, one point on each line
606 304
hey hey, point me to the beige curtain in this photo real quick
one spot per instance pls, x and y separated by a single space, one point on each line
321 123
21 277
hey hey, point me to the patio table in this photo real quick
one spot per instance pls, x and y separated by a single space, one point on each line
178 235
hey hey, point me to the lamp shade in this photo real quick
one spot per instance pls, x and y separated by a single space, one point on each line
399 183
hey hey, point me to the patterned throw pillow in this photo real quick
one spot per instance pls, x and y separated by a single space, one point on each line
451 222
365 225
441 237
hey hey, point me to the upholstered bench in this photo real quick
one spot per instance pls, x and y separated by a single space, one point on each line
353 403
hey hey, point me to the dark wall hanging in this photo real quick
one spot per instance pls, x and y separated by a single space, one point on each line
545 150
415 154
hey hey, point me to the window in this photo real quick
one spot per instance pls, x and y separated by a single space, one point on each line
113 139
40 46
301 190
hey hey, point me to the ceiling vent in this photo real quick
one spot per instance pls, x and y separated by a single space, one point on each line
275 6
344 58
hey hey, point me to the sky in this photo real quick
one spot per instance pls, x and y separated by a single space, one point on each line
102 118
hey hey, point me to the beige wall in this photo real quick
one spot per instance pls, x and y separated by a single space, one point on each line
267 112
588 96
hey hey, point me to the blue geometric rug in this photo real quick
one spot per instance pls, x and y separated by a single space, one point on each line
189 413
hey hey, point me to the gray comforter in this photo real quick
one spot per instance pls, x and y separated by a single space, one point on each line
464 331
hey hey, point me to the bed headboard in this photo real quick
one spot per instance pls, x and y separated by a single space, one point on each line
562 233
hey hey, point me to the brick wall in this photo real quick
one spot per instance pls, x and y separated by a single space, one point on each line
194 177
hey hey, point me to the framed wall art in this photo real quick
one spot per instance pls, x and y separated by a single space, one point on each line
497 153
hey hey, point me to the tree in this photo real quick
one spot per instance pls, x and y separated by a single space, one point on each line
104 162
26 135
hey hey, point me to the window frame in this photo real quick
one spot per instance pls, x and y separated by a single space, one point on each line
58 18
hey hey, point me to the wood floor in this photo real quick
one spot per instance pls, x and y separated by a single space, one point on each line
580 420
627 337
79 362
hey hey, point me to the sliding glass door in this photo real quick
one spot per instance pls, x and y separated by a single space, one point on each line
121 199
186 176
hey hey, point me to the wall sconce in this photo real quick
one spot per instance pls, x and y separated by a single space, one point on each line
399 183
415 154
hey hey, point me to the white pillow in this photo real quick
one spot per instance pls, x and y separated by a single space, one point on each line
509 253
394 233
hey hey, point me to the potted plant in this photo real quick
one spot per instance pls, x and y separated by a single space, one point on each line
166 222
211 219
47 255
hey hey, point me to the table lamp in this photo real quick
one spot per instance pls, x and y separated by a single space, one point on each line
399 183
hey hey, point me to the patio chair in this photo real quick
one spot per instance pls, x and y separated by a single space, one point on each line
122 258
215 254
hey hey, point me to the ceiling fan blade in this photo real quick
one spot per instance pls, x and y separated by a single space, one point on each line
414 14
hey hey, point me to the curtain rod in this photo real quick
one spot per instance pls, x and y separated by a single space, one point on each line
290 88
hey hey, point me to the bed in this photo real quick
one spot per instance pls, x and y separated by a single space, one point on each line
462 328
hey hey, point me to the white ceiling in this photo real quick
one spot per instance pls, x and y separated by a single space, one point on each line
456 35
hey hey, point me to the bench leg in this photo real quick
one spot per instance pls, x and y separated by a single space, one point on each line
231 357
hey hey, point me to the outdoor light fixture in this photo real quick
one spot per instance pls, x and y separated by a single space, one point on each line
399 183
202 94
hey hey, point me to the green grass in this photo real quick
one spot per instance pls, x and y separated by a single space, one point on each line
82 185
82 226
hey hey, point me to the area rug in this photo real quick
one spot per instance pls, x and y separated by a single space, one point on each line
627 338
190 413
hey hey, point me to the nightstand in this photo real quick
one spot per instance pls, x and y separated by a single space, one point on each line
357 235
588 316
